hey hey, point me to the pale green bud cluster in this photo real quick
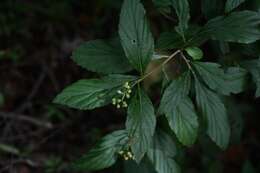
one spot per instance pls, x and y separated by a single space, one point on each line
124 93
126 154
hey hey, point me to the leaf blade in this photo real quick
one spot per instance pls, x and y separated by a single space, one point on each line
231 81
140 123
195 52
183 120
179 109
183 12
253 66
135 35
103 155
240 27
92 93
102 56
161 153
214 112
232 4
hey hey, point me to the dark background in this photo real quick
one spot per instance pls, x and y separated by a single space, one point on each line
36 41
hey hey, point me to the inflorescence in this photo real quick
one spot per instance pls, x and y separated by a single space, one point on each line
125 93
126 154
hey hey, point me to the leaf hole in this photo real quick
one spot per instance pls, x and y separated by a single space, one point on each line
134 41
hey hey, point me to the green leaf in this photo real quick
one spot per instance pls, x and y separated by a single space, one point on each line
240 27
163 5
169 40
172 40
214 112
232 4
175 92
253 66
211 8
184 122
235 79
195 52
102 56
136 37
143 167
162 152
104 154
92 93
140 123
179 109
183 12
231 81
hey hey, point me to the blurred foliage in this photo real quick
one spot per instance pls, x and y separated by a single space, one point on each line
35 32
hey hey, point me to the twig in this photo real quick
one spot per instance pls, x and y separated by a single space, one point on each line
34 91
155 69
19 161
168 17
25 118
188 64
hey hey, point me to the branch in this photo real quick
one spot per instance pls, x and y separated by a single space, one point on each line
20 117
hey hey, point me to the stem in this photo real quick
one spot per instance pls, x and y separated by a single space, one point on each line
188 64
160 66
168 17
165 74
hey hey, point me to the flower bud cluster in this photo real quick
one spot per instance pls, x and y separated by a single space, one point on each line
126 154
124 93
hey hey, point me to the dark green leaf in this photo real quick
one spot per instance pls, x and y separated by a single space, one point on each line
236 112
162 152
184 122
231 81
169 40
104 154
172 40
92 93
183 12
236 79
232 4
240 27
102 56
140 123
179 109
251 50
143 167
195 52
163 5
214 112
136 37
211 8
253 66
175 92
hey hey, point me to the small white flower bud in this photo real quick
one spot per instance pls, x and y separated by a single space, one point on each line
126 85
114 101
125 104
129 154
119 92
